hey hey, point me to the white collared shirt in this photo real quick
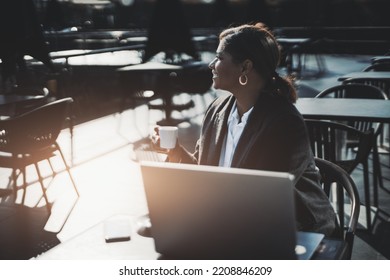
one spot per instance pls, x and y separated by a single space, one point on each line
235 129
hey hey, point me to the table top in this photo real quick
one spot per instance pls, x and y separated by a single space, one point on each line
383 75
91 2
293 41
345 109
151 66
91 245
118 58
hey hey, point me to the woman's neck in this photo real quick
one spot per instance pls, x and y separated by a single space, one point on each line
246 99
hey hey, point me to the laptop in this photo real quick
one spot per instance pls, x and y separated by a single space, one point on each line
144 152
209 212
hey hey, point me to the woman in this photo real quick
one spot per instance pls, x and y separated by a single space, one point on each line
257 126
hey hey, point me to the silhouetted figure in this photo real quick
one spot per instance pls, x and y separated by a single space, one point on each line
21 34
169 32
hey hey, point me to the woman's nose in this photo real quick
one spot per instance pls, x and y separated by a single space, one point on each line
211 64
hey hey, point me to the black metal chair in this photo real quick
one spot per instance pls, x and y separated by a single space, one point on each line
350 89
30 138
328 141
332 174
354 88
384 85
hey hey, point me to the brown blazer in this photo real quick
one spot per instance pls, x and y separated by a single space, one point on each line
275 139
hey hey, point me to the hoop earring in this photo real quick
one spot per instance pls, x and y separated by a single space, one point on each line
241 82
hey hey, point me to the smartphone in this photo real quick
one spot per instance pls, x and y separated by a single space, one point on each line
117 230
117 239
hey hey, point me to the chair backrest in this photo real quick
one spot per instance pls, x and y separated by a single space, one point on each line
353 88
41 97
332 174
384 85
329 140
34 130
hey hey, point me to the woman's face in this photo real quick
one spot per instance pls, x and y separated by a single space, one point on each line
225 72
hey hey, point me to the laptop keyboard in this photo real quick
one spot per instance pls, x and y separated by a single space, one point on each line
144 155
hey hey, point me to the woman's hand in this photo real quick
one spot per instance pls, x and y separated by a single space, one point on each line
174 155
155 141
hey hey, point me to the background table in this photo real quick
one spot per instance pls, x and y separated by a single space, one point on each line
373 110
339 109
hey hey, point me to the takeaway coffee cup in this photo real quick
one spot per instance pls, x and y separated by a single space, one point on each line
168 136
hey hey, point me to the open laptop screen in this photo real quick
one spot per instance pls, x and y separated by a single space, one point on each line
208 212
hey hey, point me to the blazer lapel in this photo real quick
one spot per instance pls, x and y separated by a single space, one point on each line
248 136
219 130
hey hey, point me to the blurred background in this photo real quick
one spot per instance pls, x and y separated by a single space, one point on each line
96 51
56 14
76 47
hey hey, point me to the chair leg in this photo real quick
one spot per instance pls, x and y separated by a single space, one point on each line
14 180
23 172
340 202
51 167
377 176
42 186
68 169
367 195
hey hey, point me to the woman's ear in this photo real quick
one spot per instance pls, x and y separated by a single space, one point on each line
247 66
